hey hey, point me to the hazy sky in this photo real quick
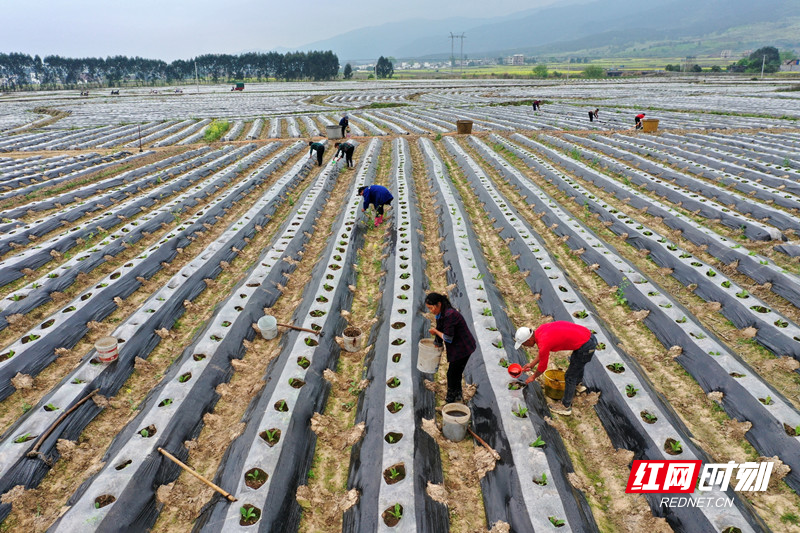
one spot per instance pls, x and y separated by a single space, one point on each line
169 29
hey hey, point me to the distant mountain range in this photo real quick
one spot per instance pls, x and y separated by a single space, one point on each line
598 27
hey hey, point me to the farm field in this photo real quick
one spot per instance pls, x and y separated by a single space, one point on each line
174 222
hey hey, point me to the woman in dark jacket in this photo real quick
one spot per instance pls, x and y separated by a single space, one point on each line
451 331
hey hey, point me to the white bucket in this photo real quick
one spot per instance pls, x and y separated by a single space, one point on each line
268 325
455 420
351 339
107 349
428 356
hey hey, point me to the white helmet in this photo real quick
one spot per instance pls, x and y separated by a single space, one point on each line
522 335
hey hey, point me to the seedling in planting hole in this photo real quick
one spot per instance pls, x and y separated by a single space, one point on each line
281 405
397 512
650 417
393 473
390 438
144 433
328 287
543 480
303 362
726 284
479 276
97 505
631 390
248 513
486 312
394 382
50 407
503 363
767 400
676 446
742 294
397 406
555 521
253 476
681 320
521 411
184 378
581 314
616 367
23 438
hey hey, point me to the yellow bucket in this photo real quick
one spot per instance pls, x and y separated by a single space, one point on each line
554 384
650 125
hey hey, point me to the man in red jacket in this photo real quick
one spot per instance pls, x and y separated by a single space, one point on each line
554 337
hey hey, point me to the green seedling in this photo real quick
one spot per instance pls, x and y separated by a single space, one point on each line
726 284
521 411
281 405
393 473
681 320
479 276
555 521
97 505
271 434
144 433
543 480
390 438
17 297
767 400
51 407
742 294
253 476
22 438
397 512
538 443
486 312
248 513
395 382
676 446
184 378
503 363
617 367
396 406
631 391
650 417
26 407
581 314
35 285
619 297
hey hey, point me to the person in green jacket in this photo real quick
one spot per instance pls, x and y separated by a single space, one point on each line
316 147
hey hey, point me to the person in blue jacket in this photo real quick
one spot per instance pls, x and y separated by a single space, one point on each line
377 195
344 123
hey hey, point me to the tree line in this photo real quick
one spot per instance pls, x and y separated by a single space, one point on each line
21 71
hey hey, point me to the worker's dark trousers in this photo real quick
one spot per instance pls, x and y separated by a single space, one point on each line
379 208
455 369
349 156
574 374
591 116
319 156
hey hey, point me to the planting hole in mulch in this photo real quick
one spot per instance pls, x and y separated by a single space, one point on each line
351 332
398 342
102 501
396 358
255 477
398 325
541 481
393 437
317 313
185 377
402 311
673 447
648 417
199 356
281 406
731 529
8 355
792 432
48 323
165 403
394 407
557 522
249 515
271 436
296 383
394 474
736 375
122 465
50 407
515 385
316 327
310 342
393 382
766 401
303 362
392 515
147 432
25 438
616 368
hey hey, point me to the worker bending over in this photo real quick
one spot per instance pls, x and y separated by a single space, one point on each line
344 149
554 337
